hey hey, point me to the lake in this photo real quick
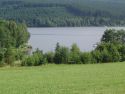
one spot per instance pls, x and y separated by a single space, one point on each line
85 37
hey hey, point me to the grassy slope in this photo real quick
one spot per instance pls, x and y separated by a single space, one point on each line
64 79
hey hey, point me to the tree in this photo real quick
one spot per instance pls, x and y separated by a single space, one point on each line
57 57
64 54
114 36
61 54
74 54
109 36
12 36
109 52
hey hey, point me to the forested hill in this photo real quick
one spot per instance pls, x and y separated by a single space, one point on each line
48 13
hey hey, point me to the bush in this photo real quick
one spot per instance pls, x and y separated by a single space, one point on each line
122 52
86 58
50 57
34 60
97 57
115 53
107 52
29 61
106 56
45 61
9 56
2 52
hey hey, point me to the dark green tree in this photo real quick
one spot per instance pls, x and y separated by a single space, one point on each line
50 57
57 57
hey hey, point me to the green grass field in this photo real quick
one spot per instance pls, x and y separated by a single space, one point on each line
64 79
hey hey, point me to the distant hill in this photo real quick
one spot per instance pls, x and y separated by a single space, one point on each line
49 13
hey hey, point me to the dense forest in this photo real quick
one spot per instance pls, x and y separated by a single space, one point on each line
53 13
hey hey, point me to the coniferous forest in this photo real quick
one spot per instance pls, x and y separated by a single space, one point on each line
59 13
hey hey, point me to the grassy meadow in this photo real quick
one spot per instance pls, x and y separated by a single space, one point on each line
64 79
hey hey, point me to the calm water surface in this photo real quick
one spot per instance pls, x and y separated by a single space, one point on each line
85 37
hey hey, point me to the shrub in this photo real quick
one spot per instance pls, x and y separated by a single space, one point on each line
96 56
115 53
122 52
50 57
2 52
86 57
45 61
109 52
29 61
106 56
9 56
34 60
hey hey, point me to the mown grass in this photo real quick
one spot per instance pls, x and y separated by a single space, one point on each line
64 79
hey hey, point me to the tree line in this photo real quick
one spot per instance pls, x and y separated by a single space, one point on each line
110 49
55 14
13 47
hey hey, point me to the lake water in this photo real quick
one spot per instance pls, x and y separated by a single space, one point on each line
85 37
